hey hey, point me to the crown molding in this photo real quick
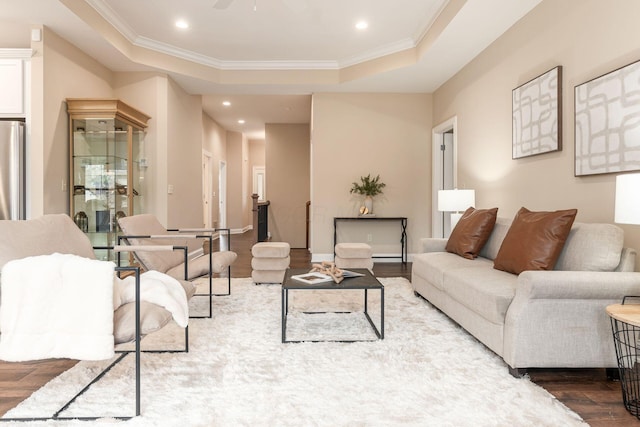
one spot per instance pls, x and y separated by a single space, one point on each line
198 58
379 52
114 19
144 42
10 53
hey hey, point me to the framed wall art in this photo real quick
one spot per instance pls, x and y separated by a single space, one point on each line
537 115
607 122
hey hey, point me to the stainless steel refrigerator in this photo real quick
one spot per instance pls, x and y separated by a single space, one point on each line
12 170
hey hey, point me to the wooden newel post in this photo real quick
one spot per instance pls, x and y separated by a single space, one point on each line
254 209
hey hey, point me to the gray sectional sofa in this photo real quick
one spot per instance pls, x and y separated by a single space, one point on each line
537 319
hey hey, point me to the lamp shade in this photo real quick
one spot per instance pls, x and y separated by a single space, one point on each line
628 199
456 200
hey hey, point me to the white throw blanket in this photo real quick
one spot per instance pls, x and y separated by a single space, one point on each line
61 306
56 306
157 288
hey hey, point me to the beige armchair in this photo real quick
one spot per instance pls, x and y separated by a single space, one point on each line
146 230
51 234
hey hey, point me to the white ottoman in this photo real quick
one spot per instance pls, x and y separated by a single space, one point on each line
354 255
270 261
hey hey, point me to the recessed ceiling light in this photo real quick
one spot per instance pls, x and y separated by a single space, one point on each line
241 121
181 23
226 103
362 25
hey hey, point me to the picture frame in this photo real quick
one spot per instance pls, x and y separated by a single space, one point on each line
537 115
607 122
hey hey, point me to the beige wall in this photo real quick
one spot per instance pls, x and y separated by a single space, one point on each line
256 159
287 175
246 202
359 134
588 38
184 152
173 140
143 92
235 184
215 143
14 35
66 72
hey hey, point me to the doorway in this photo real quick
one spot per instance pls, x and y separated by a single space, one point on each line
222 205
444 169
222 194
207 189
260 183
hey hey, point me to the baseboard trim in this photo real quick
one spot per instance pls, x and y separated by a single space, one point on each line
241 230
383 257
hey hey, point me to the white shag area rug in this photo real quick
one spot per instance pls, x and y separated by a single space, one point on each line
426 372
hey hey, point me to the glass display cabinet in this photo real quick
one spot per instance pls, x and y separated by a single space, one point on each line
107 167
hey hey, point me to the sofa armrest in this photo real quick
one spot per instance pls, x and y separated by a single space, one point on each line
433 244
557 319
605 285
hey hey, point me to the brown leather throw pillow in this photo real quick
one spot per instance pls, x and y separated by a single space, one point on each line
534 240
472 232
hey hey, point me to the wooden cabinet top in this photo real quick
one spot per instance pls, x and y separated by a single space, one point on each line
105 107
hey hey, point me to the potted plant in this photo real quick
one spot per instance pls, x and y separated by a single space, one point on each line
368 187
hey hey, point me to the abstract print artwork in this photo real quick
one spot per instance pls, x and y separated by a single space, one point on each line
607 122
537 115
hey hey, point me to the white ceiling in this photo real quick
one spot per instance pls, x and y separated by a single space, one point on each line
306 46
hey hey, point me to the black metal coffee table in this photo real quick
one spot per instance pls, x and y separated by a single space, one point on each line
366 283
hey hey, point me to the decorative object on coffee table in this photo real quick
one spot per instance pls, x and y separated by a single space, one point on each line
368 187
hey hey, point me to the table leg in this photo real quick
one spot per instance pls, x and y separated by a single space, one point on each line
285 310
381 313
366 300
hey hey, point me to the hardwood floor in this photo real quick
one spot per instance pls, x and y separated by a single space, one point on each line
586 391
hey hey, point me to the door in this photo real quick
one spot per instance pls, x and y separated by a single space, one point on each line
259 182
444 173
207 194
222 207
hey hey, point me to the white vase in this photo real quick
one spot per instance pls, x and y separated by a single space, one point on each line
368 203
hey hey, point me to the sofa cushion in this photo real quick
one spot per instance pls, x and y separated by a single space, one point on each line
534 240
500 229
270 250
152 318
199 266
270 263
591 247
431 266
485 291
472 232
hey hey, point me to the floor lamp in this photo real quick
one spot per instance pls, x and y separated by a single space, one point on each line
627 204
456 201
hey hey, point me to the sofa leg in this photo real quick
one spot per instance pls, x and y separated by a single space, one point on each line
613 374
517 372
